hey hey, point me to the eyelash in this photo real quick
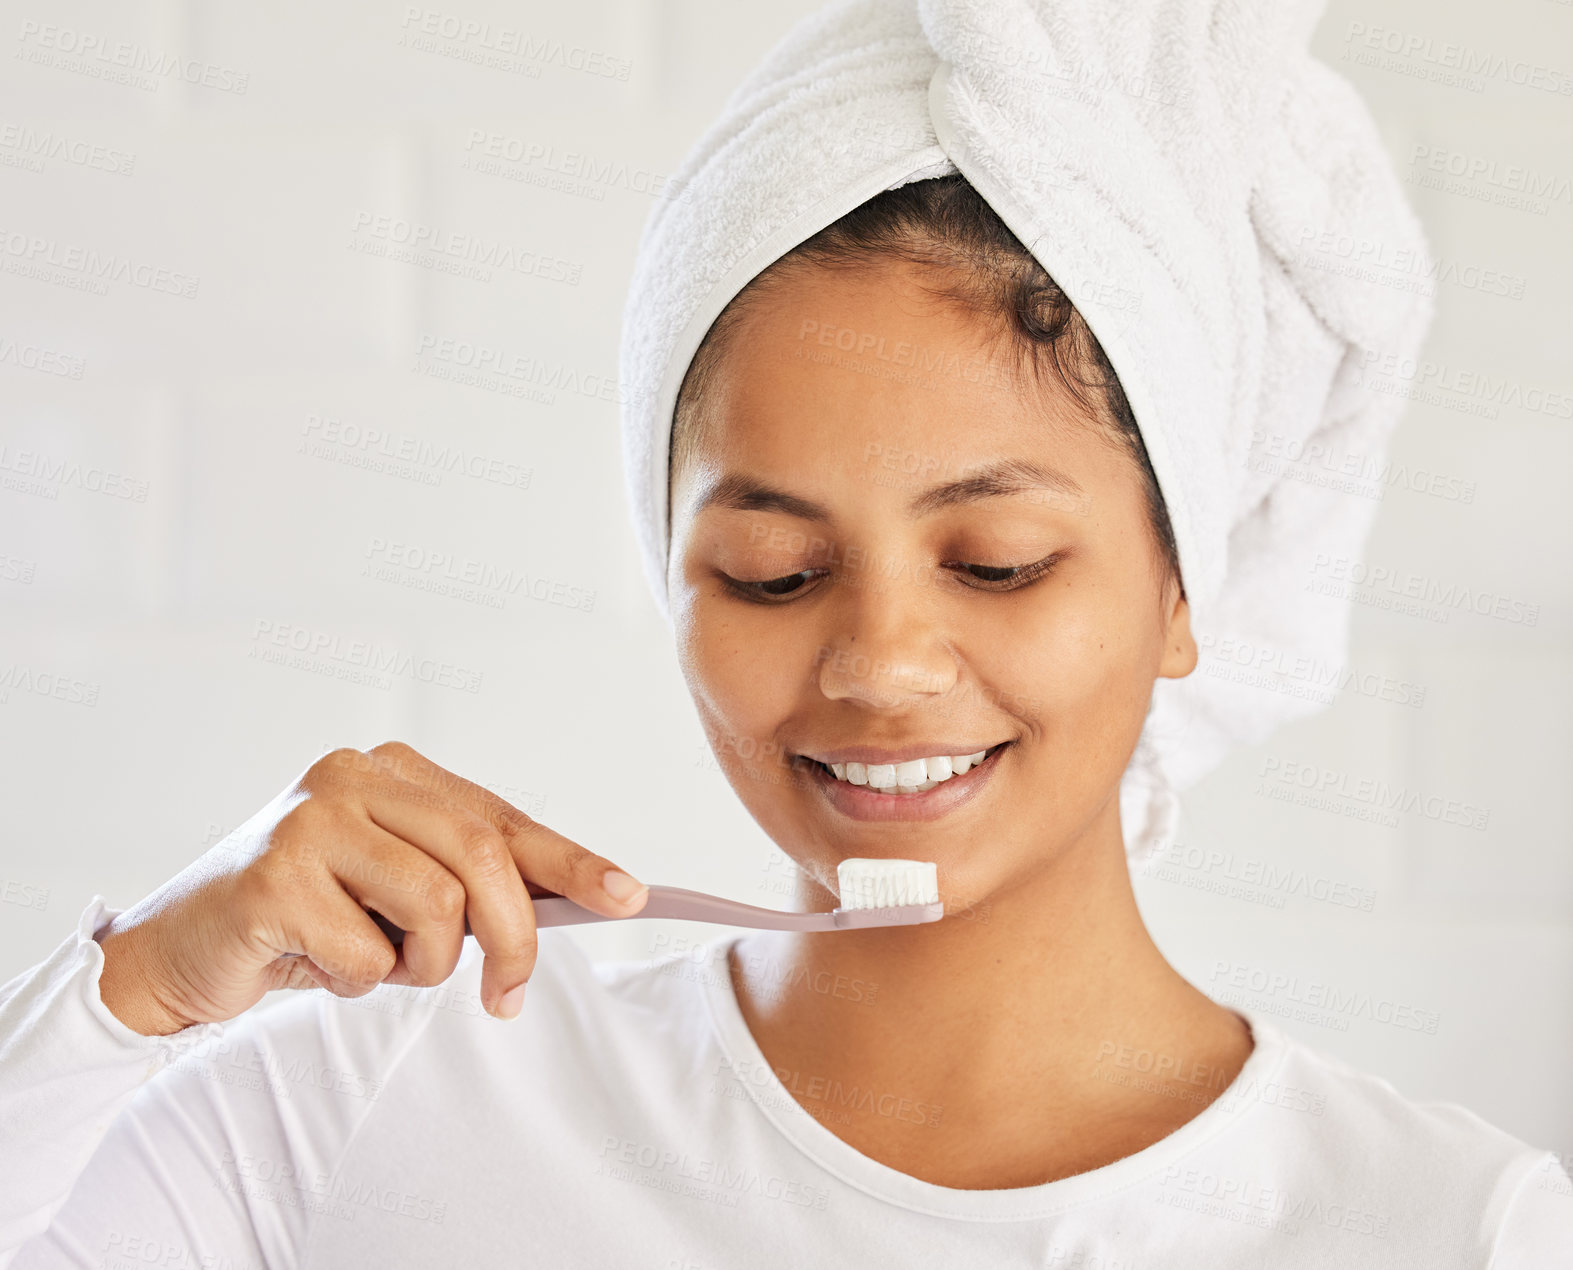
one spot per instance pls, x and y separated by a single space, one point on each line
1024 576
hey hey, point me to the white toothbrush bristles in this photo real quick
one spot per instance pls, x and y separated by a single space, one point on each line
887 883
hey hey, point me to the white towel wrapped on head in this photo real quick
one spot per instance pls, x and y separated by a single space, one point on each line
1178 167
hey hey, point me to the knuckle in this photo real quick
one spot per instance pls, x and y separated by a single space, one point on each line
443 896
440 781
511 821
295 846
298 824
582 864
396 757
342 760
335 772
389 759
485 850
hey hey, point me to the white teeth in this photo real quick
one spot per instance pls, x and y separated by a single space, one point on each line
911 777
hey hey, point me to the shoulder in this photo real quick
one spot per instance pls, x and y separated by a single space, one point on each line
1361 1109
1354 1133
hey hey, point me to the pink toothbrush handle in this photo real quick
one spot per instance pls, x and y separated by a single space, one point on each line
695 906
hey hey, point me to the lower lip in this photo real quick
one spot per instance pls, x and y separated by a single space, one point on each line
859 802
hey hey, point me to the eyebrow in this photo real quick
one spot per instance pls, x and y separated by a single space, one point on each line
736 492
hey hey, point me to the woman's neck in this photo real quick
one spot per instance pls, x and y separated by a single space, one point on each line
1046 1029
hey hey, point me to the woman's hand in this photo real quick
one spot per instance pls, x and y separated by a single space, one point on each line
281 902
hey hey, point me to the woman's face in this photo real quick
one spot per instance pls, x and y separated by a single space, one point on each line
892 553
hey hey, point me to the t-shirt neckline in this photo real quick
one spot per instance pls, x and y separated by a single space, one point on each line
772 1100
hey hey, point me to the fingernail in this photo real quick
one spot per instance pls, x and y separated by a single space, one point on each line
620 886
509 1004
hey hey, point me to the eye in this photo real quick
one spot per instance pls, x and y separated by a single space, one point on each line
980 577
772 589
1005 577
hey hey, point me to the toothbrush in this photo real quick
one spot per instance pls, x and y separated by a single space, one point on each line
873 893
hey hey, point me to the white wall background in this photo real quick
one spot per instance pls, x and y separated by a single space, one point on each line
228 516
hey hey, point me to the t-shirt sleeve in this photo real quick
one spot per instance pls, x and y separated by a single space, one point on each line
1537 1228
213 1147
68 1067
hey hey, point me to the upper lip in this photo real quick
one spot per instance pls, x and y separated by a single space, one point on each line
871 754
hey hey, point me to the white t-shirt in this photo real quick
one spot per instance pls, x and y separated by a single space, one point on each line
627 1118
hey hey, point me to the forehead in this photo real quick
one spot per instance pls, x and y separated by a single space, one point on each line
838 372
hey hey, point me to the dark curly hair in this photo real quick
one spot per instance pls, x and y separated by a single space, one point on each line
972 259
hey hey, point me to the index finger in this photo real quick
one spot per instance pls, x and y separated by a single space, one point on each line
546 858
495 850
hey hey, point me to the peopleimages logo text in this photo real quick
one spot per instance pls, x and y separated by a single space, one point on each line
1324 782
1417 586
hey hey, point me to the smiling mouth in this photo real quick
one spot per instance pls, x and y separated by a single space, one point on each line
902 780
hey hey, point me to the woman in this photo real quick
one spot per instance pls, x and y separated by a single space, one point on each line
876 564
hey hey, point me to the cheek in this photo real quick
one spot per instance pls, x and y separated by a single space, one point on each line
741 683
744 686
1074 664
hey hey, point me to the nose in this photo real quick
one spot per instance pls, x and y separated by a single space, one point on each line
885 647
